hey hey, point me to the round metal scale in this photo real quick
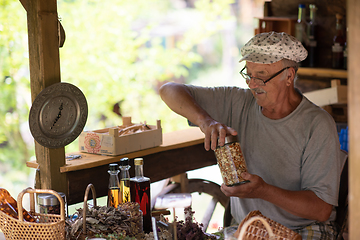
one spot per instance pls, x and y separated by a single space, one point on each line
58 115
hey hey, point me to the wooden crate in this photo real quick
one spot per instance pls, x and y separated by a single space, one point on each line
339 112
336 94
277 24
108 142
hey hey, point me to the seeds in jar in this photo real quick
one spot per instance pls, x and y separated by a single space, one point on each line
231 163
49 209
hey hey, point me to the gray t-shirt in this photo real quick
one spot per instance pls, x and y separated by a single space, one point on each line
298 152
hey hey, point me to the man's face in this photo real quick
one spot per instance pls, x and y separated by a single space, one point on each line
274 92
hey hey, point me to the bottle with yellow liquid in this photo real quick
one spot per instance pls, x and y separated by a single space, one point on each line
114 197
124 180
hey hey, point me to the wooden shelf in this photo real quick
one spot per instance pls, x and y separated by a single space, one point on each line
323 72
172 140
181 151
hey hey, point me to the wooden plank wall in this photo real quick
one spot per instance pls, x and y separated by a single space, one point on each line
44 62
354 116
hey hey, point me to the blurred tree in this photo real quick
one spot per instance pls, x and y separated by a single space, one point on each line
120 51
115 51
14 95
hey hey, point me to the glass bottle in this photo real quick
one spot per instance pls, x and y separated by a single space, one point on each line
338 44
300 27
345 51
8 205
311 36
114 186
124 180
140 193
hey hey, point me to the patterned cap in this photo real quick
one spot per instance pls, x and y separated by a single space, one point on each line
271 47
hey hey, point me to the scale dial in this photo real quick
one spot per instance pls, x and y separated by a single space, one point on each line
58 115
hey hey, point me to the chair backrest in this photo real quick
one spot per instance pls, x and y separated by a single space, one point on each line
342 208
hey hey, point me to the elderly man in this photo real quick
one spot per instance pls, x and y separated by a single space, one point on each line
290 145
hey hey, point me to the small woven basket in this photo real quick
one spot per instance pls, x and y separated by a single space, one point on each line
256 230
48 226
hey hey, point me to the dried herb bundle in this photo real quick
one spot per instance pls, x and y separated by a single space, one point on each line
191 230
125 220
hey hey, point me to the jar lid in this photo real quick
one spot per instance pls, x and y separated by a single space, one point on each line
49 199
113 167
301 5
230 139
124 161
138 161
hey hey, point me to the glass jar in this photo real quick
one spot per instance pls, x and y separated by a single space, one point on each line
49 203
231 161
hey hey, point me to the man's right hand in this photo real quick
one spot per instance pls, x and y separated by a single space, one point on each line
215 133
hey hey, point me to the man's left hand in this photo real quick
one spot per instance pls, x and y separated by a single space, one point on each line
253 189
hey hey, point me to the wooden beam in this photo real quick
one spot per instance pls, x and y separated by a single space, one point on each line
322 72
44 64
353 21
61 31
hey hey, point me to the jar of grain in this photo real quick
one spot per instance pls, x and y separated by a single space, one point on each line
231 161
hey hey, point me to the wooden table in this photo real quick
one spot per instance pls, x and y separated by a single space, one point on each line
181 151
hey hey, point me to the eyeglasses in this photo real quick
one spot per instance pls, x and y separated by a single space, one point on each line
259 81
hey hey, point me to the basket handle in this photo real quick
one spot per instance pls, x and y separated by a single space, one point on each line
247 224
32 201
88 188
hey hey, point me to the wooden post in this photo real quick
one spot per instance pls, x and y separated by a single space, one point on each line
44 62
353 22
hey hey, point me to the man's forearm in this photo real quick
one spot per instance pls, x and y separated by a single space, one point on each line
300 203
303 204
179 99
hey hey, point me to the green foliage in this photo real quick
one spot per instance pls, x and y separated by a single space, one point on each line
15 98
114 52
14 85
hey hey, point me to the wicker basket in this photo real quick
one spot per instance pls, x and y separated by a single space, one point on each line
48 226
85 207
256 230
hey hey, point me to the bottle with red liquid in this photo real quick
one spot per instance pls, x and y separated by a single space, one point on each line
140 193
8 205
